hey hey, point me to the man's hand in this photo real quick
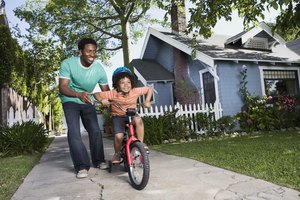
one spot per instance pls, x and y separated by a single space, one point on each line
105 102
147 104
85 97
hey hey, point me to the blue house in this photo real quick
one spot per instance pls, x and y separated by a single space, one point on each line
206 71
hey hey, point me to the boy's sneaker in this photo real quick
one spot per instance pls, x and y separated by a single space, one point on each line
102 165
116 158
82 173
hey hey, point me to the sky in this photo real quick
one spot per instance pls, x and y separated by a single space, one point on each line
222 27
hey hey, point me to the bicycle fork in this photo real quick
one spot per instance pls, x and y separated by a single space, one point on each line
130 140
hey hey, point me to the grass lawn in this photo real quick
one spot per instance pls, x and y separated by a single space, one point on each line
274 157
13 171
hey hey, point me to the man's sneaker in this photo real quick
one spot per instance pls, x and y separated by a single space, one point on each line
116 158
102 165
82 173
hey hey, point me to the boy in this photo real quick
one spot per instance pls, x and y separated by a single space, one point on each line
126 94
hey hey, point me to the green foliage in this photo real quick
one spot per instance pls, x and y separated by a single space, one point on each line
107 121
172 127
226 124
262 113
206 121
206 14
111 23
22 138
166 127
258 114
8 55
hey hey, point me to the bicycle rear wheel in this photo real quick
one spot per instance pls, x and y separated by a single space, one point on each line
139 170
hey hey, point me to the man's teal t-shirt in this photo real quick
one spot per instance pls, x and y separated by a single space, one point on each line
81 79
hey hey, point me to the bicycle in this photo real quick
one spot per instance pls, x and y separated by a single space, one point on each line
133 154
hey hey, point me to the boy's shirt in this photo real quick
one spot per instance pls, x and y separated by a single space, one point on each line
130 99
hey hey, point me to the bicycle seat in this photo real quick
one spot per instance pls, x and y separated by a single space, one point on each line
130 111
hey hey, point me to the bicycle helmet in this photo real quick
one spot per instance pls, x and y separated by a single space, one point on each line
122 72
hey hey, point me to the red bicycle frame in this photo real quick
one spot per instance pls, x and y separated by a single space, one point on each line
131 139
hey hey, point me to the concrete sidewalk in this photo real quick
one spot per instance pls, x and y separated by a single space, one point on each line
171 178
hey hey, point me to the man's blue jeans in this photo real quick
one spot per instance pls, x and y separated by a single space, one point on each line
87 113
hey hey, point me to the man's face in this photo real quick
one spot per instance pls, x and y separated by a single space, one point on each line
88 54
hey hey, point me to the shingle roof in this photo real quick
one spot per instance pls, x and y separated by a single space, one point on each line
219 52
151 70
294 46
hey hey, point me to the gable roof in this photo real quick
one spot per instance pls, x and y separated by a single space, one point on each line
294 46
208 52
263 31
151 71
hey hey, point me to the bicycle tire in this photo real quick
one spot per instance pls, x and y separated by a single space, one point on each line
109 166
139 170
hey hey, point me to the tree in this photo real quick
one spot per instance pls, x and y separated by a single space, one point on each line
8 48
113 23
205 14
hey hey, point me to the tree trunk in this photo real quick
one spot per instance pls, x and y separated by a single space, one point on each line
126 43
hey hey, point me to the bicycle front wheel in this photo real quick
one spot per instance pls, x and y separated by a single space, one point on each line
139 170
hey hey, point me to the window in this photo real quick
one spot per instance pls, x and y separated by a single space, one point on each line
281 82
209 88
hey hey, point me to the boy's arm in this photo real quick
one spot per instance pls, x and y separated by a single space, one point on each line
149 94
100 99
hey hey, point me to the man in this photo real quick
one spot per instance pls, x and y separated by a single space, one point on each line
78 77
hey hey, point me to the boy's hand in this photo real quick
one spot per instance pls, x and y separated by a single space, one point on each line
105 102
147 104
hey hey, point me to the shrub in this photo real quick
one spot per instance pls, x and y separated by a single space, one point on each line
206 121
259 115
226 123
166 127
27 137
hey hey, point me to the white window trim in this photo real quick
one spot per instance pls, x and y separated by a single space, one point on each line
261 74
216 78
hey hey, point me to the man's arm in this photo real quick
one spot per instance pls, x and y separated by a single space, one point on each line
104 87
64 89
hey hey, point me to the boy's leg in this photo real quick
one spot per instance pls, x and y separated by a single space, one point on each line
139 128
118 142
118 123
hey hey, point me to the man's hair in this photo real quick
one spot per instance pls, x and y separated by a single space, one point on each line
85 41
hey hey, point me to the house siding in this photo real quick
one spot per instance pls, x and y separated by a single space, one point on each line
229 85
160 52
164 92
194 67
165 57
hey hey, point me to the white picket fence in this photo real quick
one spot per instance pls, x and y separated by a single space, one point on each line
24 116
185 110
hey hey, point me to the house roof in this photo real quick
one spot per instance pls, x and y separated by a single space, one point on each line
261 31
209 51
151 71
294 46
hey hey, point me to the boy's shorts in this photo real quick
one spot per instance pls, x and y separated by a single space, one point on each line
118 123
